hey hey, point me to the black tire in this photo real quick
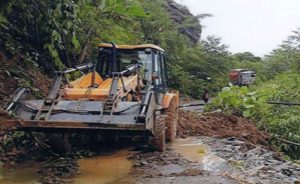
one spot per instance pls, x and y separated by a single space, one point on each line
158 142
171 121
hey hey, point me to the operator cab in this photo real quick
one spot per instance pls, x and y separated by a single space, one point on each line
151 58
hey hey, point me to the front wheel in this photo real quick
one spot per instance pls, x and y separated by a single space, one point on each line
158 142
171 121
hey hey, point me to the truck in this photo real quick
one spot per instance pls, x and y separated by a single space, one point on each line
242 77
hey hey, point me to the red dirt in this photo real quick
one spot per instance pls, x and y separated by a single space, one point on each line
221 126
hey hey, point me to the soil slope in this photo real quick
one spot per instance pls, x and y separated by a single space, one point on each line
219 125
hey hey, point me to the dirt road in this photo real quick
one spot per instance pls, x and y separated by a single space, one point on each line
211 148
193 106
211 160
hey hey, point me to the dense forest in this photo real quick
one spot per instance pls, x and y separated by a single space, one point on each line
56 35
53 35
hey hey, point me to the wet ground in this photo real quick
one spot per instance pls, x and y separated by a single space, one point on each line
186 161
192 160
211 160
104 169
19 174
234 157
194 150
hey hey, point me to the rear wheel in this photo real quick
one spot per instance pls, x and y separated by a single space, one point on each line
158 141
171 121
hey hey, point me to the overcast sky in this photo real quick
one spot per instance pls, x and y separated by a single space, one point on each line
257 26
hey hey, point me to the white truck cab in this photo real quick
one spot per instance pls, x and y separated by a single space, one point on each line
242 77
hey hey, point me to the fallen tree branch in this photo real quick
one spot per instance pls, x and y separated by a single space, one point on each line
287 141
283 103
44 145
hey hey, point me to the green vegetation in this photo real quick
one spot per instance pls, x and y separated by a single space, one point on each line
281 121
57 34
279 81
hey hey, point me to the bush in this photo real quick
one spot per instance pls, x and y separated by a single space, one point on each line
240 101
282 122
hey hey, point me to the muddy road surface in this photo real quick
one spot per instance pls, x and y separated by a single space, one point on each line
210 148
191 160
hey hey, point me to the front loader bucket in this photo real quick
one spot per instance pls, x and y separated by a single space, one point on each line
74 116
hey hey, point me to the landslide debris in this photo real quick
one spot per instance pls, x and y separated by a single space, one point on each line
172 167
219 125
15 72
253 163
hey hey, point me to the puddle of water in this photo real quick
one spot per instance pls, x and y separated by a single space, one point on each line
194 150
104 169
23 174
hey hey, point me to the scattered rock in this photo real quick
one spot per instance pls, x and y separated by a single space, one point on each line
187 172
255 170
256 164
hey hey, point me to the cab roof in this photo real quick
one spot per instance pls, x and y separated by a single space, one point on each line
131 47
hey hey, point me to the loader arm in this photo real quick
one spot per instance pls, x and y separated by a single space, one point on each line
57 113
120 88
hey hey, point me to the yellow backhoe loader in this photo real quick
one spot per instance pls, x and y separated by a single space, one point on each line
124 92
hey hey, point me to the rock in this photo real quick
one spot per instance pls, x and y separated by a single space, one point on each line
144 163
180 14
244 134
231 139
137 164
272 161
8 73
255 151
281 166
237 143
254 171
267 155
287 172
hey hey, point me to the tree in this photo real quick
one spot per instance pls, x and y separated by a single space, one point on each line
285 58
246 57
213 45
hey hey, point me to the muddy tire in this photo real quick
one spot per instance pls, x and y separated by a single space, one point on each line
171 121
158 142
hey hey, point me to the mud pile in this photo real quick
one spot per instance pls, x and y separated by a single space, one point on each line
15 72
219 125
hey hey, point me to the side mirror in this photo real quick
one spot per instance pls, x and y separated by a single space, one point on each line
155 75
